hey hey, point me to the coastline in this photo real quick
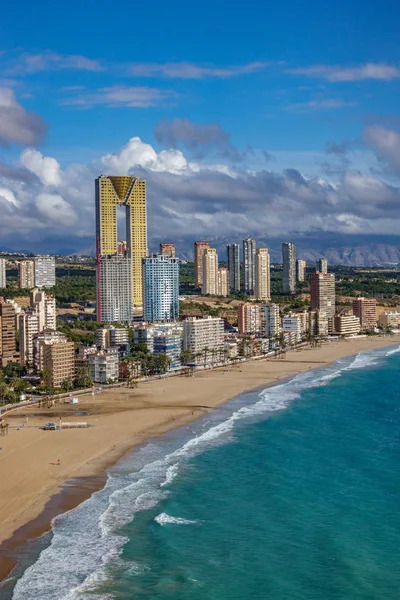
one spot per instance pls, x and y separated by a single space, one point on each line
33 489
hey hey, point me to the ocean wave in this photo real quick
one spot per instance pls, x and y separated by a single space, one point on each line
394 351
164 519
89 538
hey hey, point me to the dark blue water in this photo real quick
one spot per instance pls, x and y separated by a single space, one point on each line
296 496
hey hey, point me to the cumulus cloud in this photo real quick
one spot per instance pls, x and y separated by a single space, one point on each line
335 74
196 137
200 199
56 209
186 70
46 168
17 125
385 143
120 96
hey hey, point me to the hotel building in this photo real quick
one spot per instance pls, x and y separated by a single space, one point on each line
59 363
249 264
210 272
45 271
347 325
365 310
323 294
202 336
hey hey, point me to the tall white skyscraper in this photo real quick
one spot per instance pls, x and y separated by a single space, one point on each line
115 291
249 263
263 277
289 267
45 271
300 269
160 288
210 272
3 281
233 253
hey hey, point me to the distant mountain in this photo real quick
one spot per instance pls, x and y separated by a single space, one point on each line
339 249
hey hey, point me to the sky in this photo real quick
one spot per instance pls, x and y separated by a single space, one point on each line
279 120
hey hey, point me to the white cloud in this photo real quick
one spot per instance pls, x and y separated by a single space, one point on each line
17 125
138 154
56 209
8 195
380 72
385 143
45 61
120 96
324 104
45 167
186 70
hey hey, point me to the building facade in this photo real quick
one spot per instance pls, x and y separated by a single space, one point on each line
45 271
300 269
199 249
210 272
129 192
389 319
323 295
3 279
104 366
59 363
40 340
233 255
114 294
161 288
249 266
26 274
289 268
8 352
293 324
365 310
249 318
167 249
223 281
169 343
263 275
272 320
347 325
202 336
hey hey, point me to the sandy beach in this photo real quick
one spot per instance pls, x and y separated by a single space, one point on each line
120 419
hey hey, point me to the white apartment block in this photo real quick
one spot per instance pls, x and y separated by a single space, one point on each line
292 324
115 289
3 282
300 269
45 271
103 366
28 328
202 333
389 319
26 274
289 267
223 281
272 320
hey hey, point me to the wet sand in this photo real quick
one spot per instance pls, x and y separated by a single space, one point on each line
33 488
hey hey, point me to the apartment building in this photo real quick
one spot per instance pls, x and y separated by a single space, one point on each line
249 318
272 320
26 274
289 268
300 269
365 310
104 366
223 282
347 325
45 271
199 249
262 275
233 255
58 363
160 288
200 334
210 272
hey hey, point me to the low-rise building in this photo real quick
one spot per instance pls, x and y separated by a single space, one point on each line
293 324
389 319
347 325
169 343
104 366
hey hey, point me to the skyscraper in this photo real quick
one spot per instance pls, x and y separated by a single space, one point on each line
26 274
263 277
167 249
3 281
114 291
323 295
210 272
233 253
365 310
199 249
161 288
300 269
249 262
289 267
223 281
321 266
45 271
129 192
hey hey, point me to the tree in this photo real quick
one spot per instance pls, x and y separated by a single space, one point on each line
186 357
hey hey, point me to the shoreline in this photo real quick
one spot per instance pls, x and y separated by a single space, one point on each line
162 405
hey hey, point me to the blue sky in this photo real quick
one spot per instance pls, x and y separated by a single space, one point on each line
245 88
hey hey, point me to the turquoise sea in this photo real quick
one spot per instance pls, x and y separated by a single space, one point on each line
291 493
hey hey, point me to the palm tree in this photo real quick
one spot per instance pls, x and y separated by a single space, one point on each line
4 391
